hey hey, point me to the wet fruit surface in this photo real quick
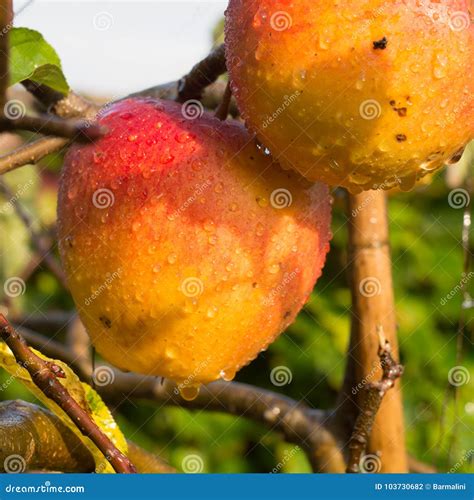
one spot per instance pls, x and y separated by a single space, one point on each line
364 94
186 250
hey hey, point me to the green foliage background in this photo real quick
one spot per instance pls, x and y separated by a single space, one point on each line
427 265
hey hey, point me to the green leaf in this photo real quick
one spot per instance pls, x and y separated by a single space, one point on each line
32 57
82 393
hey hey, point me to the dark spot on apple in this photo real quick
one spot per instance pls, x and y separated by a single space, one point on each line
380 44
401 137
106 321
287 315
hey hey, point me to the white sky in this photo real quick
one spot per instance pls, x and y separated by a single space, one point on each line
117 47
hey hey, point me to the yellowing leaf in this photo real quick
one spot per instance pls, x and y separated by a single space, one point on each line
82 393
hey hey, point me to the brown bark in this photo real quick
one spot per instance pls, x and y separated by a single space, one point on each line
374 308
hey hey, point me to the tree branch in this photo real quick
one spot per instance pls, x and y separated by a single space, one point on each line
202 75
312 429
373 306
80 131
44 375
31 153
371 400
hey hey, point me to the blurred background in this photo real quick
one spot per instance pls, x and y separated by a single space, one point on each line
109 49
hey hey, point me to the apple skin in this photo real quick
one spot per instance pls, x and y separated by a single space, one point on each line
363 94
183 255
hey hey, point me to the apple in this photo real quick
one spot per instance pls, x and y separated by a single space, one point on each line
187 249
364 94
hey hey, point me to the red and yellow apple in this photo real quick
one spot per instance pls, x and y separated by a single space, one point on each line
362 94
187 250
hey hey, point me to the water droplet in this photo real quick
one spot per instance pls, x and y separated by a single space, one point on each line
219 187
132 138
212 311
274 268
212 239
262 202
189 392
166 158
156 268
172 258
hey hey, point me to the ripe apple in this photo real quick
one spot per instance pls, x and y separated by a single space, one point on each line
363 94
186 248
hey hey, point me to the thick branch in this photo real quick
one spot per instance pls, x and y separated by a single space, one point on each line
370 402
373 307
45 377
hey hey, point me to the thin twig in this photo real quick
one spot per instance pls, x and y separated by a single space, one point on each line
80 131
370 403
44 375
39 243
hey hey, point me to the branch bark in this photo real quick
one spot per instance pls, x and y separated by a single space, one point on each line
203 74
370 401
312 429
44 375
373 308
80 131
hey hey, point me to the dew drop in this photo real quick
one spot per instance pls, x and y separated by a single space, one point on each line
172 258
189 392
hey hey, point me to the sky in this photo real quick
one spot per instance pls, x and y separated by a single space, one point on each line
118 47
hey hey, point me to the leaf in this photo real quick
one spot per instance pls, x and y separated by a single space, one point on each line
32 57
82 393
